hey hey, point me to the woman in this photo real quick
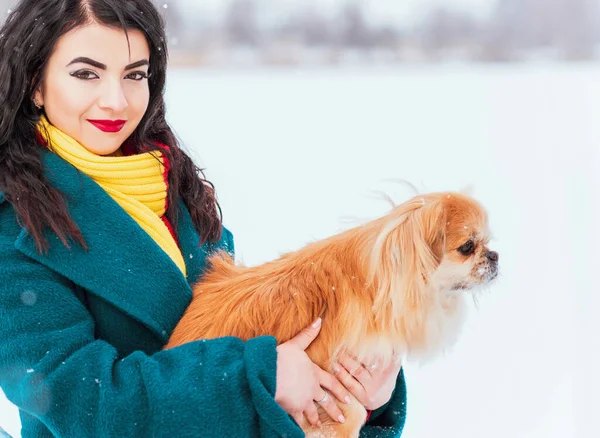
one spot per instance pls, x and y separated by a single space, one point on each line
104 224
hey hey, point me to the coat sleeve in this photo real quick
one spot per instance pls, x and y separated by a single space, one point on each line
53 368
388 421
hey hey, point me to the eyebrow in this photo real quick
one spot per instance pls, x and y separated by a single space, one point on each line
84 60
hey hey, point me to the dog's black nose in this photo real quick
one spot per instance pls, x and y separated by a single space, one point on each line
492 256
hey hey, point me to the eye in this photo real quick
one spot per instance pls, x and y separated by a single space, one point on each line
138 75
85 75
467 249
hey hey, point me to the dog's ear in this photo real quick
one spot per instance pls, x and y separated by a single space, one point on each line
407 252
433 218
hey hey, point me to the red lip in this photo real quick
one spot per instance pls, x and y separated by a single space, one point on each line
108 125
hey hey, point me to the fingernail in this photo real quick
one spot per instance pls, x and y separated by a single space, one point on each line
317 323
336 369
341 418
347 400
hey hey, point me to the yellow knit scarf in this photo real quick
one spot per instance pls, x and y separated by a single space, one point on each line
134 182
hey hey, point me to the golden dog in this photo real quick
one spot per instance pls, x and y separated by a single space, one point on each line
394 286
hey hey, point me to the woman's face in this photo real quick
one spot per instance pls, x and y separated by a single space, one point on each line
93 89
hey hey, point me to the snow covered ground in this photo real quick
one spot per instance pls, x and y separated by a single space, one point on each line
295 156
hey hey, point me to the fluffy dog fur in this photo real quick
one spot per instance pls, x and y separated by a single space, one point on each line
393 286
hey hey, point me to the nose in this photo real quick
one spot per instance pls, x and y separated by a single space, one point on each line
113 97
492 256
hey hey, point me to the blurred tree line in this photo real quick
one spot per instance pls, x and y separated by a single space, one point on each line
515 30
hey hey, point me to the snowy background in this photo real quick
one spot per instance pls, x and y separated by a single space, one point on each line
296 154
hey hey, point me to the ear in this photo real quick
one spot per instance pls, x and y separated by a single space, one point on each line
407 252
38 96
433 219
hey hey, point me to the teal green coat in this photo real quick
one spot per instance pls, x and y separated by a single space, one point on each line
81 335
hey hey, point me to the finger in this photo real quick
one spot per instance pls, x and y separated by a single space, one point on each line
351 384
328 404
392 372
312 415
298 418
330 382
376 372
372 368
397 359
306 336
354 367
394 367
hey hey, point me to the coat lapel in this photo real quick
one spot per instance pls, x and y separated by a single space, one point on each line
122 265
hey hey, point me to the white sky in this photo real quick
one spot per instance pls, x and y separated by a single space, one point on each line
397 11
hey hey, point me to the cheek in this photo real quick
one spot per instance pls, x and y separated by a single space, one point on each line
138 97
137 104
451 272
65 101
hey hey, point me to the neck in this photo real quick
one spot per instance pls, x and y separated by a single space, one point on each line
117 153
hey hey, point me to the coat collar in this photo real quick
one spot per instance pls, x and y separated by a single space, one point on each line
122 265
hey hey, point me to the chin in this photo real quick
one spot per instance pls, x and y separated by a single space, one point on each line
393 287
102 150
104 143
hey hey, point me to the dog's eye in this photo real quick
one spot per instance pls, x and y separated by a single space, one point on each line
467 249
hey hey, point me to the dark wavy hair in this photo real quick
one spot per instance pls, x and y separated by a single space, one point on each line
27 40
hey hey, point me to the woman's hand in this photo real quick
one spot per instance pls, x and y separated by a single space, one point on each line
301 384
371 386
